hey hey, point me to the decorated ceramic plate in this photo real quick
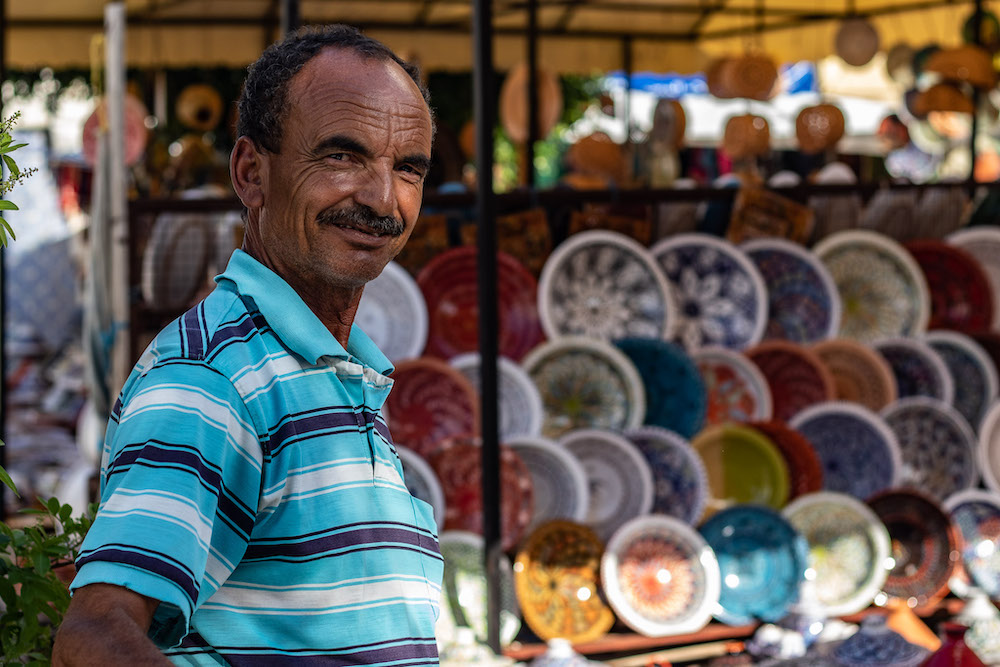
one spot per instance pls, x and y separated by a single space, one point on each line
620 479
520 407
463 595
858 450
860 374
989 448
675 391
660 576
585 383
937 445
983 243
735 388
919 370
558 480
796 377
882 290
720 295
743 466
802 299
848 548
458 463
972 372
393 313
557 580
961 296
604 285
429 403
805 471
762 561
422 481
924 545
976 515
449 285
680 484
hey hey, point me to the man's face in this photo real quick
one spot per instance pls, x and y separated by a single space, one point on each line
342 195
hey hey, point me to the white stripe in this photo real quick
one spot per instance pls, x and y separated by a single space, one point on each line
318 481
190 400
343 598
171 508
261 377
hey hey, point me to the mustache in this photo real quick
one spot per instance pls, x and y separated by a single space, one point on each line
363 217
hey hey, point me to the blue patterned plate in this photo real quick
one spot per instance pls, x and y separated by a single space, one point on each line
976 514
675 392
919 370
972 372
605 285
802 299
660 576
937 446
762 560
858 450
680 484
585 383
720 295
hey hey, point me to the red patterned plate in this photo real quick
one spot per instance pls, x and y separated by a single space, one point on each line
430 402
557 577
735 388
860 373
805 472
458 463
449 285
925 547
796 376
961 296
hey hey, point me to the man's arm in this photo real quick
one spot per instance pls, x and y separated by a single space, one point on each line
107 625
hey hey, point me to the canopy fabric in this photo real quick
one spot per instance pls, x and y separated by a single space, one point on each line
576 36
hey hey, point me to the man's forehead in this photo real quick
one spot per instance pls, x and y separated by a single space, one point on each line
354 73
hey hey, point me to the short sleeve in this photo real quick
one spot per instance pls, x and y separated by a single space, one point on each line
180 490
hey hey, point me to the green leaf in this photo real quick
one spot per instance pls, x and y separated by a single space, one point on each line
4 476
41 563
11 147
12 166
8 205
8 228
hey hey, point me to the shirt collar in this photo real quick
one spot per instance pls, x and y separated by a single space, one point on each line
293 321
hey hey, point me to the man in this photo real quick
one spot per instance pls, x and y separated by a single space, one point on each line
253 510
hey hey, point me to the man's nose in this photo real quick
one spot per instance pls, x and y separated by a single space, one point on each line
376 190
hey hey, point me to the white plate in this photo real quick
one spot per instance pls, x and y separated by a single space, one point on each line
620 481
882 289
604 285
989 447
719 293
393 313
848 548
175 261
422 482
585 383
559 481
660 576
520 404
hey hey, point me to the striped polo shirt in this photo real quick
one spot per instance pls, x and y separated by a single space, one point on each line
249 483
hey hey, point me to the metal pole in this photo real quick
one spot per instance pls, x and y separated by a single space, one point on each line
484 106
529 152
114 62
291 16
627 66
977 19
3 282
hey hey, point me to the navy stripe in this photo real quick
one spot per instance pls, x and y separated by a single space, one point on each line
388 537
238 332
311 427
185 458
424 653
156 564
292 416
192 323
356 524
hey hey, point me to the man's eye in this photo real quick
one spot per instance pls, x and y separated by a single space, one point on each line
337 156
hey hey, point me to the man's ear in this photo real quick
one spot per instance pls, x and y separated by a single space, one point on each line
246 169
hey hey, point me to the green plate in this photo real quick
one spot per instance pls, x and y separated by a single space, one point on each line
743 467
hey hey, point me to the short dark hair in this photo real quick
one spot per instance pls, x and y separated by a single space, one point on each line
264 99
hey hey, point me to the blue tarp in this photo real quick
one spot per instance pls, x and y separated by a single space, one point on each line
797 77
